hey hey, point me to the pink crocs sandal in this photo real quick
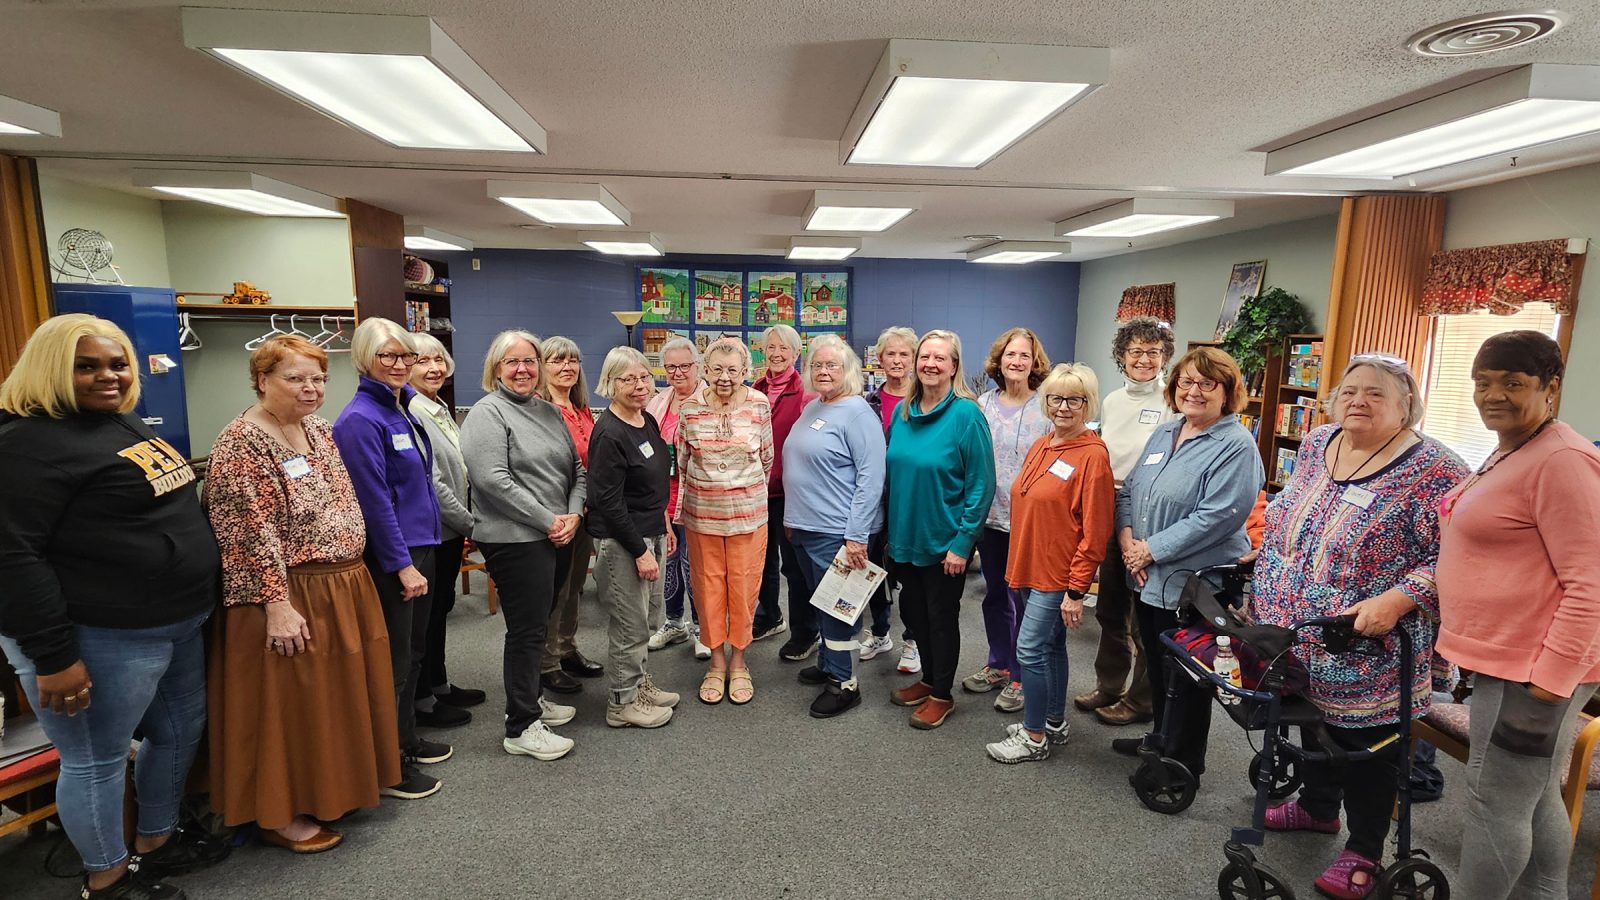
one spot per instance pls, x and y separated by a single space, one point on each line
1291 816
1351 877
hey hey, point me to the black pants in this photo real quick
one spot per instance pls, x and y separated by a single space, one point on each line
1190 725
1367 788
930 604
525 575
882 602
781 559
407 621
442 580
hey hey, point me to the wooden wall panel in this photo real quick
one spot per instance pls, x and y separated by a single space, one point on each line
24 288
377 243
1381 258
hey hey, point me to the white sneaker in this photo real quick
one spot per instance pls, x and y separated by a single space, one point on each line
1055 734
554 714
668 634
910 659
872 646
539 742
655 696
1017 748
701 651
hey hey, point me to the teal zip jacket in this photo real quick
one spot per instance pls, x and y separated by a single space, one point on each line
941 481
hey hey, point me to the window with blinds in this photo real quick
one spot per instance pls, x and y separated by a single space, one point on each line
1449 415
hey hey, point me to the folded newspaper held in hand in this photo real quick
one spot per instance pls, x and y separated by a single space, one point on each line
845 592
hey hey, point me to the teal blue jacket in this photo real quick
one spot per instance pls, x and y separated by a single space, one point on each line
941 481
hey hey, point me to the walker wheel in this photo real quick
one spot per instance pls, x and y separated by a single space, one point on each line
1165 786
1413 879
1253 882
1285 776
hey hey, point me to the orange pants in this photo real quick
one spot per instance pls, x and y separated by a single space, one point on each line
726 573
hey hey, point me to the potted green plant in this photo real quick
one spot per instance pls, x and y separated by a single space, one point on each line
1264 321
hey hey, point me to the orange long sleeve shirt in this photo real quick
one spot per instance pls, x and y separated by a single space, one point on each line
1063 508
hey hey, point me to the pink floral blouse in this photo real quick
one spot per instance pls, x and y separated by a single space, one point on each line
273 509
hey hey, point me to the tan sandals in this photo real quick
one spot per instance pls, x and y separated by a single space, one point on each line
712 687
739 680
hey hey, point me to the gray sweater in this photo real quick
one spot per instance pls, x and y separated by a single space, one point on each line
523 467
449 470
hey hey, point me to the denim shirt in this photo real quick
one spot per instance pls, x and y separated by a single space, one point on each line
1190 506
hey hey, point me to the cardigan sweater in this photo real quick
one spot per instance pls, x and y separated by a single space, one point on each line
449 469
1012 431
725 461
787 396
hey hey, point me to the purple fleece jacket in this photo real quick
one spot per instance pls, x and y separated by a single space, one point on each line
390 461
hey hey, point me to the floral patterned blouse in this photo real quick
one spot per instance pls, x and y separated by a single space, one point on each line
273 509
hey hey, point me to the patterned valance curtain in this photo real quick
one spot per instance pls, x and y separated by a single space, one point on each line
1148 300
1499 279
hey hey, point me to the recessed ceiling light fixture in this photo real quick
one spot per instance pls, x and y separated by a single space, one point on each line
622 243
958 105
1525 107
833 248
421 237
243 191
1486 32
1018 252
17 117
1144 215
859 210
555 203
400 79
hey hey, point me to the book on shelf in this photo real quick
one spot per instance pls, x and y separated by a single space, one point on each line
417 315
1252 423
1298 418
1305 365
1283 465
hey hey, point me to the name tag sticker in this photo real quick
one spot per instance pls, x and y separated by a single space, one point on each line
816 424
1154 458
646 449
1149 416
1061 470
296 467
1358 496
401 441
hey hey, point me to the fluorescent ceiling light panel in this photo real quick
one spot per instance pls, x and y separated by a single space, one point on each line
1018 252
421 237
1522 108
17 117
243 191
859 210
622 243
562 204
958 105
1141 216
832 248
400 79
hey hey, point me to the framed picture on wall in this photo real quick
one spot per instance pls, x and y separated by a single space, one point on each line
1245 281
664 295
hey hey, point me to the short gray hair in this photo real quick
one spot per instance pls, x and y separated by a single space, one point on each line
497 351
682 343
558 346
618 361
1071 376
371 335
895 333
427 345
1396 371
729 345
850 377
784 333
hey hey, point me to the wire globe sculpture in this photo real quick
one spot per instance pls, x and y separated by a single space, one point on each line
84 253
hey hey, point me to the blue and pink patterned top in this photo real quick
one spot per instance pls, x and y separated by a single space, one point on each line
1331 544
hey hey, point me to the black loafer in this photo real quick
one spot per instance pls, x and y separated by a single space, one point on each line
443 716
834 700
560 682
461 698
812 675
581 666
1127 746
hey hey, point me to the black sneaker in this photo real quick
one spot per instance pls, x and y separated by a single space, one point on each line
443 716
776 628
797 650
460 698
183 853
429 752
834 699
812 675
129 888
413 785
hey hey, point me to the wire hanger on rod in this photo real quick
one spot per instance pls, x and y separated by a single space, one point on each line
255 342
188 338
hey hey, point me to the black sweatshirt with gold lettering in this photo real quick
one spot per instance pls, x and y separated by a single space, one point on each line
100 525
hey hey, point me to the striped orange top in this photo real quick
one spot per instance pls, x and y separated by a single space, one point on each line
724 460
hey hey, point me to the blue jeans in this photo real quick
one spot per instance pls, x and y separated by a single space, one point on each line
149 679
1042 654
816 553
676 575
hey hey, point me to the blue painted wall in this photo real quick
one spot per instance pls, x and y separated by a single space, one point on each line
571 293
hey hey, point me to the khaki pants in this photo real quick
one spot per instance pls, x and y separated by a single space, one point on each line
1119 636
561 634
631 604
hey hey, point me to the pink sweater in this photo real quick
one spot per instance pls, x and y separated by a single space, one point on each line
1519 589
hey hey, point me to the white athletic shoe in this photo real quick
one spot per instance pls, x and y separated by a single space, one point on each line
872 646
910 659
539 742
1017 748
668 634
554 714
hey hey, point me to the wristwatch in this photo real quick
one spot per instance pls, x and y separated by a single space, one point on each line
1076 595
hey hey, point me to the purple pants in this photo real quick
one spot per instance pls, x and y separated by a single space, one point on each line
1002 606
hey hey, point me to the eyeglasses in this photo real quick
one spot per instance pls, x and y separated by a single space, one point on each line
635 380
527 362
1206 385
826 366
566 361
680 369
728 371
1143 354
300 381
389 359
1055 401
1392 363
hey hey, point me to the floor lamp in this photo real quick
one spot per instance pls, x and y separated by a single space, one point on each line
628 318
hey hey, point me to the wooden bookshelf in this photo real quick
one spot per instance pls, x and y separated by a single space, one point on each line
1306 387
437 297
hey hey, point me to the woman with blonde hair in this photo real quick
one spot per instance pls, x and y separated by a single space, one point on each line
896 351
304 731
681 361
565 387
724 455
110 570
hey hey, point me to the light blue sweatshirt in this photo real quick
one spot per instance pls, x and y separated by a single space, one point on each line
833 470
941 480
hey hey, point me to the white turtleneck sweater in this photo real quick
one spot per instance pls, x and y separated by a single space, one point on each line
1127 419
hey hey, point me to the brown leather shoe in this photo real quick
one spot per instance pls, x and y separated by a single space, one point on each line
324 839
931 713
911 694
1120 713
1095 699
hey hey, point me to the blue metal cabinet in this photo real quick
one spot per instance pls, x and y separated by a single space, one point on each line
150 317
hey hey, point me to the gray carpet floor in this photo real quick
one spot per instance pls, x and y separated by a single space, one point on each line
762 801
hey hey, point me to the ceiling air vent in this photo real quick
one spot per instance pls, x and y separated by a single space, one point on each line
1486 32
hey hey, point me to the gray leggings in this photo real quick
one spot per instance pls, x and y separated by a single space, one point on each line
1517 840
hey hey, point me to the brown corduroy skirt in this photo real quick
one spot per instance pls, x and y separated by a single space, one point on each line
312 734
